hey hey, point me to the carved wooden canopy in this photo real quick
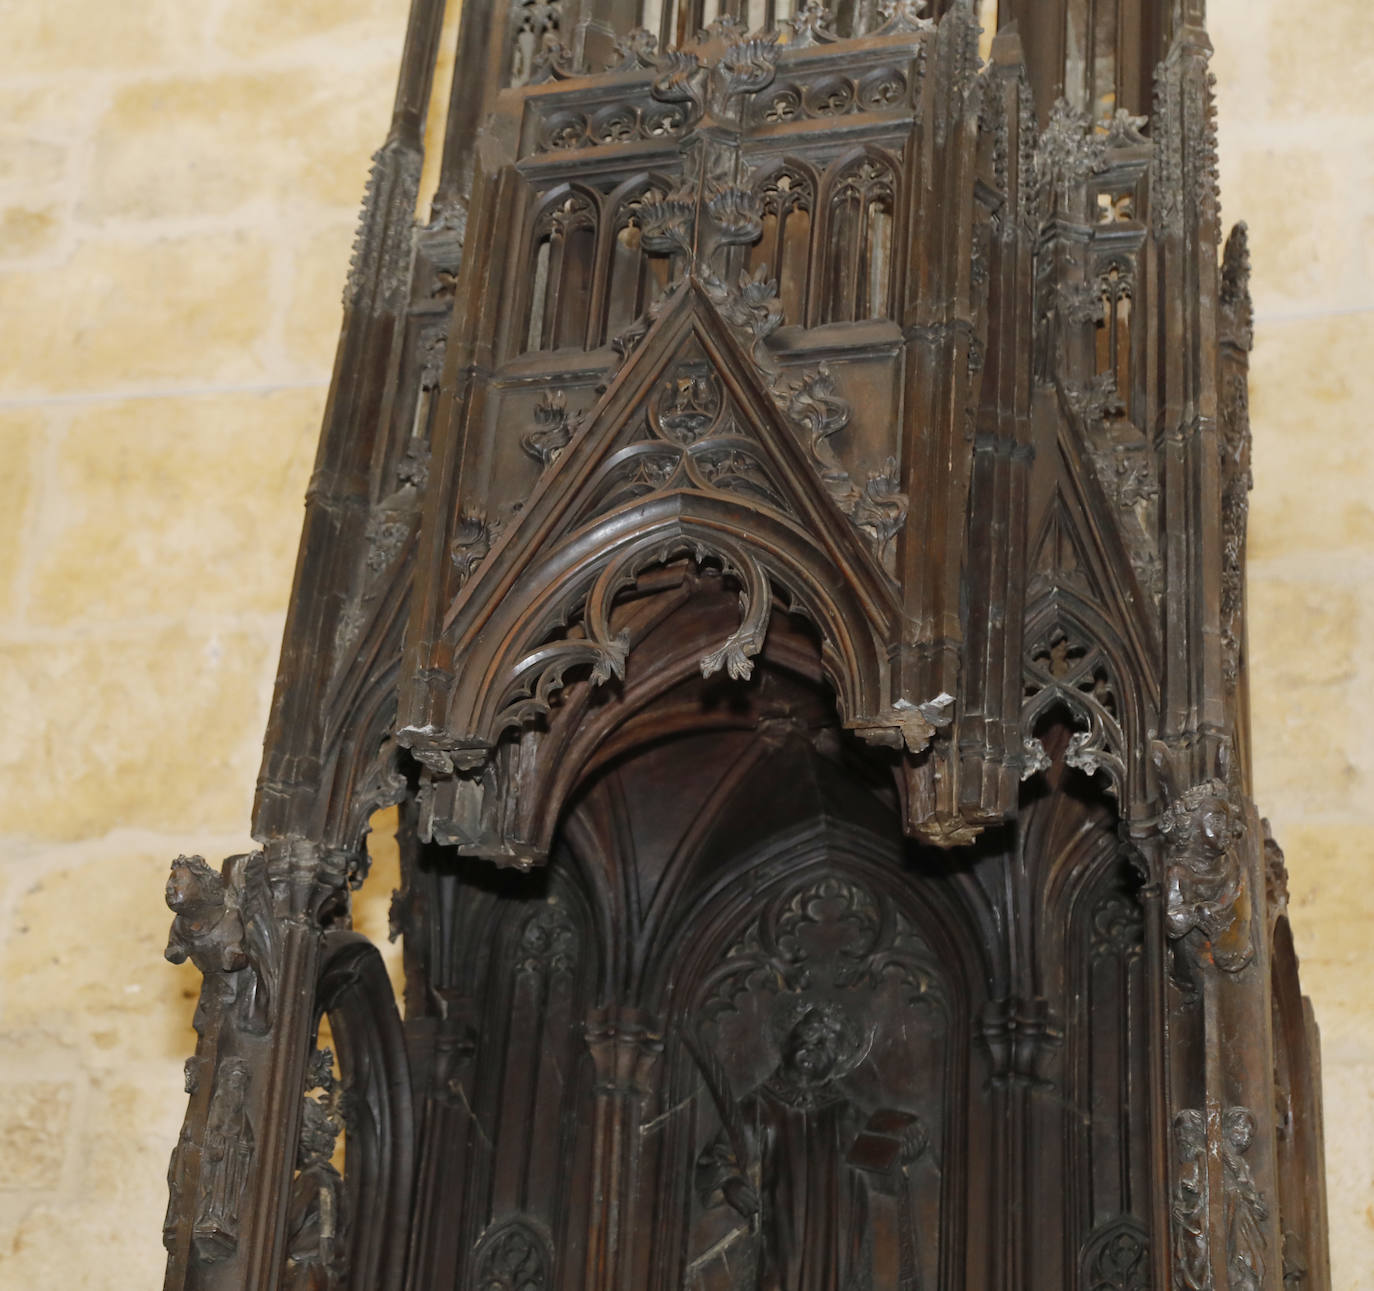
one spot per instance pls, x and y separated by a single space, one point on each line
778 534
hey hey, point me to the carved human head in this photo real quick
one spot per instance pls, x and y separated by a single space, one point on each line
1190 1133
1202 817
815 1048
1238 1125
193 887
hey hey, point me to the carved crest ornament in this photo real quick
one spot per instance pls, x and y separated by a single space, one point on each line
778 541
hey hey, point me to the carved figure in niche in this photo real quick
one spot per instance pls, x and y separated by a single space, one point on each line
315 1246
207 930
1246 1210
797 1159
1190 1201
226 1159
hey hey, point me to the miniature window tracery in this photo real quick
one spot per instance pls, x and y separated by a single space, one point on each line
634 274
561 272
787 199
858 282
1115 289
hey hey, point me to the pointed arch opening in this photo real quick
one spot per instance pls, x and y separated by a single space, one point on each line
561 265
633 274
787 195
783 989
859 271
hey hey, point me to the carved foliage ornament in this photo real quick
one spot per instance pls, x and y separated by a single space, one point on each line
381 248
1068 152
553 429
316 1223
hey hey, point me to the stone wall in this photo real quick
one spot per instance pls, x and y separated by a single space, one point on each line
178 189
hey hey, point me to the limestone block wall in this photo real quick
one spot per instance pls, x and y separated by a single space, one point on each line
178 190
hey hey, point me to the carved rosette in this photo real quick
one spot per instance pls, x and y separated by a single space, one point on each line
548 942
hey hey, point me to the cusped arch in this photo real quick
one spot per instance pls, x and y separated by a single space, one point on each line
561 620
522 658
628 274
564 226
788 195
854 273
586 735
1110 740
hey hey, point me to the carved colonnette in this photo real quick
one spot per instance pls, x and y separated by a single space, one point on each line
778 536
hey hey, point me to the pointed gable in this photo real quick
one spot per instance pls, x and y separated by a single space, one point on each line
690 412
1077 548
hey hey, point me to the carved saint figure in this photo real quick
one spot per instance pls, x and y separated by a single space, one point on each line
811 1163
227 1155
1190 1200
1246 1210
315 1222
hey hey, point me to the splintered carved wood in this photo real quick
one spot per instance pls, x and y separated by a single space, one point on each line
778 537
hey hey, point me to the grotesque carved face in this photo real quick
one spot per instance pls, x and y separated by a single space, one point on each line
811 1053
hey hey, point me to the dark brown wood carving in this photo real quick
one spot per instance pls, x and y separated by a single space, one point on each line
778 534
